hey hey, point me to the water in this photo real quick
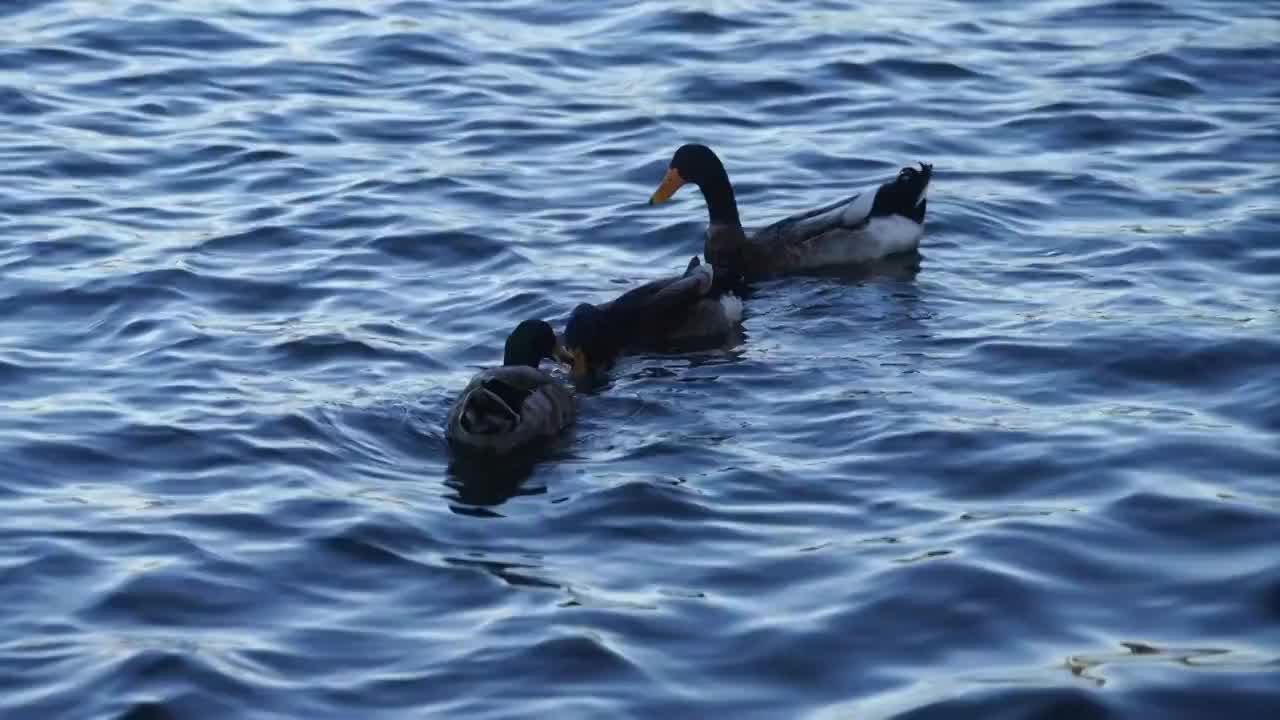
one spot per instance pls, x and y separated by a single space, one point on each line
251 250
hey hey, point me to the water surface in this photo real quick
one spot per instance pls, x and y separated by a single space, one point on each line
249 251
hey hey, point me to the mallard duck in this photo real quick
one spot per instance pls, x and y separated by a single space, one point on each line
509 408
682 308
870 225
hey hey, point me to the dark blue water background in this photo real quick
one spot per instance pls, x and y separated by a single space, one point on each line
249 251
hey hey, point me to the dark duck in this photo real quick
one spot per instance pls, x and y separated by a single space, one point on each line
690 306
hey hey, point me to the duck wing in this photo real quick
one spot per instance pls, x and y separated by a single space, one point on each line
508 408
870 224
666 296
651 312
849 215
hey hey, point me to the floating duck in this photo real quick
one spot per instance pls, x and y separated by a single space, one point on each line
513 407
686 307
872 224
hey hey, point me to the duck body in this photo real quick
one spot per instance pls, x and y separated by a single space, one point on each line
516 406
872 224
691 306
505 409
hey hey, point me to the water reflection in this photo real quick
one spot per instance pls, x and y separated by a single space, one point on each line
478 483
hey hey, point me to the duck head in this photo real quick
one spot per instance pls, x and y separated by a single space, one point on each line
531 342
586 339
697 164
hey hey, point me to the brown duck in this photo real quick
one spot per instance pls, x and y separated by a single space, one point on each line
512 408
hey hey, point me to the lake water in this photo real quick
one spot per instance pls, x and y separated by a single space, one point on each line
250 251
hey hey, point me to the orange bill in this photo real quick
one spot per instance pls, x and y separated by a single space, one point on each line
671 182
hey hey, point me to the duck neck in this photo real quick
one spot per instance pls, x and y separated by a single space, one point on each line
520 354
722 206
515 360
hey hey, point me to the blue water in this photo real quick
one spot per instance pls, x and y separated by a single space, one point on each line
250 250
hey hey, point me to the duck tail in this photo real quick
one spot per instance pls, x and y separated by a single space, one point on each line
487 413
906 194
920 180
732 306
704 271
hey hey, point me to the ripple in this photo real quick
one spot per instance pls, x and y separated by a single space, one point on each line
697 22
161 37
1120 10
16 102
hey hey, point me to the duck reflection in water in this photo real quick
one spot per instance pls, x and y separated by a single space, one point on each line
479 483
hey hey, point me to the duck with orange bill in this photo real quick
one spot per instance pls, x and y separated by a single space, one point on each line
878 222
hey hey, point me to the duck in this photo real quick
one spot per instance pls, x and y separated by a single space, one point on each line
872 224
684 308
513 407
